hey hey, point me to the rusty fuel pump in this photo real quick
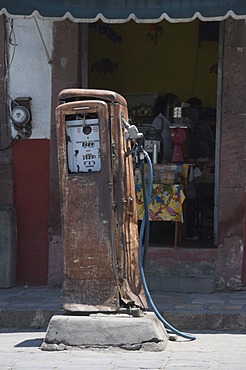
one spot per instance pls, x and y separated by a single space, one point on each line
102 295
99 220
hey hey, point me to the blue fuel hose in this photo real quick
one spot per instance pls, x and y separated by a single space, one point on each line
140 256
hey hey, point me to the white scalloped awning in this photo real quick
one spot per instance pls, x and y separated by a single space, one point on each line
120 11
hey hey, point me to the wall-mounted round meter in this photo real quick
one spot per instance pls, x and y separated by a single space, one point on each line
20 115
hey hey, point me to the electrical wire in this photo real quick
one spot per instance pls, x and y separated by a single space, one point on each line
10 40
42 41
13 142
145 217
140 258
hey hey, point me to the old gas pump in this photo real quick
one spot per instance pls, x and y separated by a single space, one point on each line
104 290
99 219
102 294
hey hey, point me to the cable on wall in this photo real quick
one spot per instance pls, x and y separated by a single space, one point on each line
42 40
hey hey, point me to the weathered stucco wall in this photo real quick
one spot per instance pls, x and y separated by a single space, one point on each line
30 69
232 158
7 211
29 45
66 69
65 62
6 173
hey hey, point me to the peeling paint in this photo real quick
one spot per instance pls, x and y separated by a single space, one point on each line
241 49
63 62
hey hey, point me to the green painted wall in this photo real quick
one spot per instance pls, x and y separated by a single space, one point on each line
178 62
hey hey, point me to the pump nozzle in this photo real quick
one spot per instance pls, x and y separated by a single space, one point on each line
132 131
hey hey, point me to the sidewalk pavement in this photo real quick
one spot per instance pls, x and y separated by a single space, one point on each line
29 308
217 351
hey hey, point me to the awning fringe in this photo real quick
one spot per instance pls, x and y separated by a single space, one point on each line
131 16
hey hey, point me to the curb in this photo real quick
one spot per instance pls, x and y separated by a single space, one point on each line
183 321
26 319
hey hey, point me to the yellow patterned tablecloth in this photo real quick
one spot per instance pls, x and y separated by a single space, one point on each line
166 203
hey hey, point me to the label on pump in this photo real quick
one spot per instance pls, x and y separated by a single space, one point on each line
83 145
149 145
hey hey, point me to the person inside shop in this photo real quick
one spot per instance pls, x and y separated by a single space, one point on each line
200 145
162 122
191 203
200 138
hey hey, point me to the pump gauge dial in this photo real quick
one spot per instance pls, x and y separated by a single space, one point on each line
20 115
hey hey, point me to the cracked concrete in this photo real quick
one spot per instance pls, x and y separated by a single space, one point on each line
123 331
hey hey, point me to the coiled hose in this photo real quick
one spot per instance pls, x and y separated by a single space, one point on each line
140 253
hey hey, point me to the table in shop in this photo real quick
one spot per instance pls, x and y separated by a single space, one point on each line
165 205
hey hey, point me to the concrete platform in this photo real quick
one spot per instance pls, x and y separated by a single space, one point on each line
103 331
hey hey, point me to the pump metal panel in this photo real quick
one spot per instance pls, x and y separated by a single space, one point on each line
125 214
90 279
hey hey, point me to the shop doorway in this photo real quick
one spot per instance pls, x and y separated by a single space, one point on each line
141 61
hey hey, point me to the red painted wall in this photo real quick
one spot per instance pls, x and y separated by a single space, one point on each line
31 161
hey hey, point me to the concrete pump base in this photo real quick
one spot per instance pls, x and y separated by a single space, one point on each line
145 333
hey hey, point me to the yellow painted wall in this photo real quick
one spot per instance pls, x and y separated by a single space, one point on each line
177 63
